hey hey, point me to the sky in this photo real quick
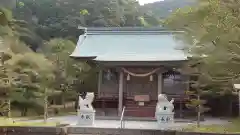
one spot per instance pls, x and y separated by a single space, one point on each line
142 2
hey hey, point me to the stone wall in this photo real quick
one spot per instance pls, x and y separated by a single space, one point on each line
103 131
31 131
90 131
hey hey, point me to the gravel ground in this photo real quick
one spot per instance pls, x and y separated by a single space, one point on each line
133 124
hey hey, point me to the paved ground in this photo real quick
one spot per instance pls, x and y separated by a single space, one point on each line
133 124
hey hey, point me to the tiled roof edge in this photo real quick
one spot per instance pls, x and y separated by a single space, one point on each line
127 30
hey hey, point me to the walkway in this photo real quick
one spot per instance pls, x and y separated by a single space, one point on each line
134 124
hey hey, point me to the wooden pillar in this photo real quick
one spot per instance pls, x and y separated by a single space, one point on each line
181 107
99 82
239 103
120 96
160 83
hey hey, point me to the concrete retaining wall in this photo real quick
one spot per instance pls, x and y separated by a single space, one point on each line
90 131
31 131
104 131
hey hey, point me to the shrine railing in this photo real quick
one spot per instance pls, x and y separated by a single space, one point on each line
114 95
177 96
110 95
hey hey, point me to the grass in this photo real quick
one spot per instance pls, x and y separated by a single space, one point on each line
232 127
9 122
33 116
41 116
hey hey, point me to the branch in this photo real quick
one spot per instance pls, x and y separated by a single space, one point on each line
236 43
214 43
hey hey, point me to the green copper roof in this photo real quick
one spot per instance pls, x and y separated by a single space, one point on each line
128 45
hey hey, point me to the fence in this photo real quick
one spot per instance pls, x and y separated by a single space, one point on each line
90 131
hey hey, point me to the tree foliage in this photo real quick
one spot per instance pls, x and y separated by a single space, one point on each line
198 88
54 18
212 33
39 35
22 71
6 78
68 72
23 75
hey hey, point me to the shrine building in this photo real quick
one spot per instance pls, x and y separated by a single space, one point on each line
135 65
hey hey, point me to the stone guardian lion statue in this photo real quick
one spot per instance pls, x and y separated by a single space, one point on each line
164 105
86 104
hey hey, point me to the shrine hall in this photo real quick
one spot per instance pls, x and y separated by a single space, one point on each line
134 66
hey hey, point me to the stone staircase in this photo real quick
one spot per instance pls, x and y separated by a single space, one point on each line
134 110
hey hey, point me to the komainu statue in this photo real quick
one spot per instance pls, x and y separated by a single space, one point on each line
86 104
164 110
86 113
163 104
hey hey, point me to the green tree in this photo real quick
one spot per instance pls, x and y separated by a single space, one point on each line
18 29
198 88
6 78
26 78
5 18
67 69
29 87
57 19
211 31
10 4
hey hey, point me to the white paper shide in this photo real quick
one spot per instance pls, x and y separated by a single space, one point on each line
164 110
86 112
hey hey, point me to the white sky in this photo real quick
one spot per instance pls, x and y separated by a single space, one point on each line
142 2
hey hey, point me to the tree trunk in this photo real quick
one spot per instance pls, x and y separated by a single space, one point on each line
9 108
63 100
239 103
230 107
24 112
199 112
45 106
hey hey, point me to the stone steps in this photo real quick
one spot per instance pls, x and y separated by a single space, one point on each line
140 112
135 110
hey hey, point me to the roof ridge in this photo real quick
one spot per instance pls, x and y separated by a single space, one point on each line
126 30
131 33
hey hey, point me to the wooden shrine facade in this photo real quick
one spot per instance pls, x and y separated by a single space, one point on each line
135 65
137 87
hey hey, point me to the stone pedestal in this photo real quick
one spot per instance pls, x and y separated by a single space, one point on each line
86 118
165 117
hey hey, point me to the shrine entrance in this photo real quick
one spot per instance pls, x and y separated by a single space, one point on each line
141 91
141 86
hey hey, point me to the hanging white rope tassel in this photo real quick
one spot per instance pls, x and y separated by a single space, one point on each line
151 78
128 77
